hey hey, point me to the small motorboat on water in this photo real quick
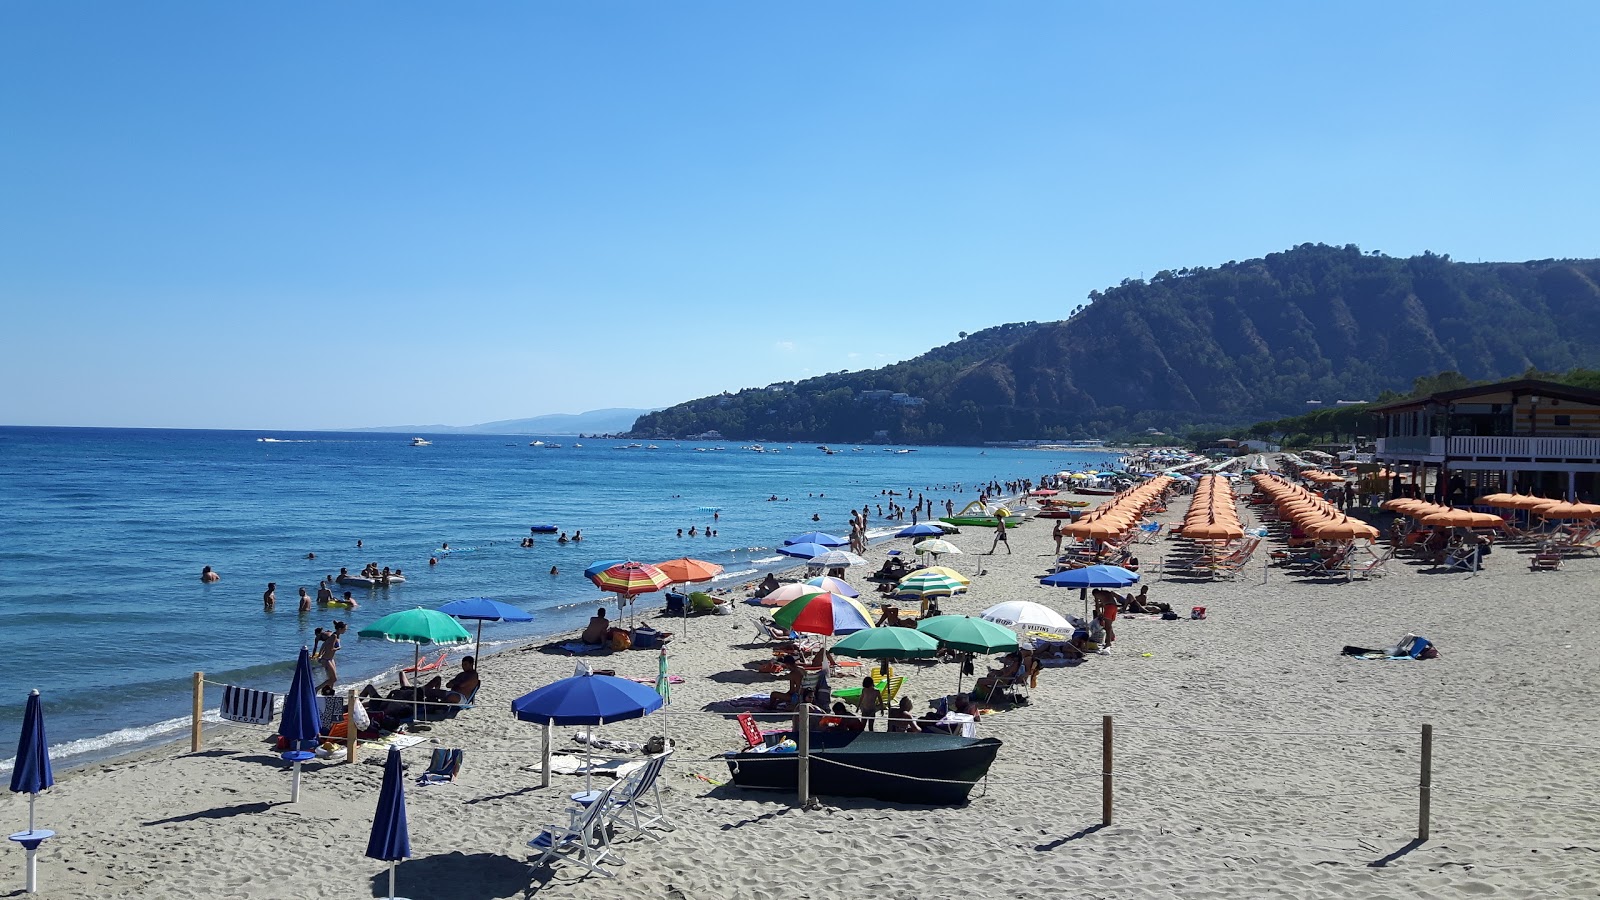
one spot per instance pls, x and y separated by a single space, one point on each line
939 769
419 442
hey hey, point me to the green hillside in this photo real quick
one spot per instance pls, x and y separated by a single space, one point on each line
1228 345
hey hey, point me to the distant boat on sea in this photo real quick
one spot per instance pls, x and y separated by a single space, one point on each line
419 442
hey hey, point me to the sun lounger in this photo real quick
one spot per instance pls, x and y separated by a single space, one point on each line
424 668
1548 559
636 803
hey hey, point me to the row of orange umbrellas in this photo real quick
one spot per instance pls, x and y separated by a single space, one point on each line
1117 516
1321 477
1213 513
1543 507
1310 513
1447 516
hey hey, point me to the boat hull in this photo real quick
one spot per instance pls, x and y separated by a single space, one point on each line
947 759
982 521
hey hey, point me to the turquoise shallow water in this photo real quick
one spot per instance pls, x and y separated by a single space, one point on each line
106 530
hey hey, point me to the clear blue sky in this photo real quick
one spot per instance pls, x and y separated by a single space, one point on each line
346 214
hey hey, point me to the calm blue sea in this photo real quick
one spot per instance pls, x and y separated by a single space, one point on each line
106 531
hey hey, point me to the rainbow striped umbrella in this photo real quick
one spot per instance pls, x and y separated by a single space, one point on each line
824 613
631 578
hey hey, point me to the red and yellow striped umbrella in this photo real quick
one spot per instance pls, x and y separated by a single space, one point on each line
631 578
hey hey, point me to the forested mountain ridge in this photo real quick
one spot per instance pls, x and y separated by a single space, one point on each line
1227 345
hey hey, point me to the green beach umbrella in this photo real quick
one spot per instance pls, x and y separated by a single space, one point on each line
920 586
417 627
970 636
889 642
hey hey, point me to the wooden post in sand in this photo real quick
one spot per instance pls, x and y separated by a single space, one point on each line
1105 770
803 738
194 715
1425 786
352 734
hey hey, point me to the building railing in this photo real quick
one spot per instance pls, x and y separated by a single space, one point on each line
1528 446
1498 447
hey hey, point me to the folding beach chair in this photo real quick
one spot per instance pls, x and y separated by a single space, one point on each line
427 667
1548 559
443 767
636 803
584 840
753 733
1372 568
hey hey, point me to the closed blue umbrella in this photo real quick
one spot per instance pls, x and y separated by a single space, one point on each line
818 537
1091 577
483 609
390 839
586 700
804 551
921 529
31 774
301 724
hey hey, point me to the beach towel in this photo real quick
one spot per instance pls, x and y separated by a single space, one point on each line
671 679
579 647
600 743
246 705
330 709
740 704
570 764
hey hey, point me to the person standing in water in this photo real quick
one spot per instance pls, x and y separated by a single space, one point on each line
209 577
305 601
269 597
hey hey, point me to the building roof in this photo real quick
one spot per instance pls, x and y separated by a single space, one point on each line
1520 386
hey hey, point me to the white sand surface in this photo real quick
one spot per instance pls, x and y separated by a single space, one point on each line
1252 761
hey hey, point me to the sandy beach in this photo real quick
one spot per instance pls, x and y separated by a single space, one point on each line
1251 760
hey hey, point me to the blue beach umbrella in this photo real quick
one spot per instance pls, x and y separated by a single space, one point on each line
31 774
390 839
483 609
597 567
921 529
1091 577
301 724
585 700
818 537
804 551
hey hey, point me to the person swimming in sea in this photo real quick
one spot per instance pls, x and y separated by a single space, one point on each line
209 577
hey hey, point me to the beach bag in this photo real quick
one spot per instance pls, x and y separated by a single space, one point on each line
1197 612
1170 616
620 639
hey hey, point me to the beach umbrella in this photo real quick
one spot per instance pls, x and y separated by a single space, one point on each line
630 579
598 566
481 610
935 547
417 627
921 529
889 642
804 551
1027 616
818 537
783 595
30 774
835 559
947 572
833 586
824 613
1091 577
585 699
968 635
663 686
923 585
390 839
301 724
689 571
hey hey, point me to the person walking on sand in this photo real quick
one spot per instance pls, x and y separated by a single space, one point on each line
1000 536
269 597
325 655
1056 533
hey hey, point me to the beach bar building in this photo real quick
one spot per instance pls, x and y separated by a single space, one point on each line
1525 436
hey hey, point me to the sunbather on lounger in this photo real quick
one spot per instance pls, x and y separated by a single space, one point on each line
797 678
463 685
